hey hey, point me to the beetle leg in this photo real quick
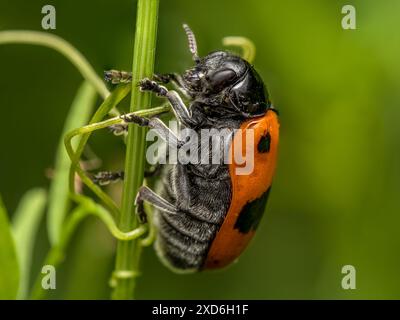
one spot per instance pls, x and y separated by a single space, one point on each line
156 124
148 195
181 111
106 177
122 128
119 129
176 80
164 78
116 76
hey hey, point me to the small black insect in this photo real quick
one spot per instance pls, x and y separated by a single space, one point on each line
196 202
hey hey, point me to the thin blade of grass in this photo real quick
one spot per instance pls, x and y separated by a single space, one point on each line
108 104
9 274
25 226
128 252
248 46
78 116
53 41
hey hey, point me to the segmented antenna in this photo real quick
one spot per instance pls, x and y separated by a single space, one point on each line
192 41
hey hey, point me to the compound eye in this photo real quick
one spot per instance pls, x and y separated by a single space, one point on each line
221 79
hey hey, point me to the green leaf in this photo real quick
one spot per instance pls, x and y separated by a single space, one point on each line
9 272
105 108
78 116
25 226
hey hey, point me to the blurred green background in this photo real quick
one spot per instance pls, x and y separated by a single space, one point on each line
335 199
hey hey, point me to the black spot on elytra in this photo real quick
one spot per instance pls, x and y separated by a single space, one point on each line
265 143
251 214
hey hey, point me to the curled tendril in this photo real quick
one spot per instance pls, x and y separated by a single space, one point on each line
247 46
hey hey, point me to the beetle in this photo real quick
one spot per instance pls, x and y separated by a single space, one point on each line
206 214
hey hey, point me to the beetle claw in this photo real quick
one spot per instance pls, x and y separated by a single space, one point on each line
149 85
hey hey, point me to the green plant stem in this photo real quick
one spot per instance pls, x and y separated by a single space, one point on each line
248 47
108 104
86 208
58 199
56 254
128 253
85 131
109 122
65 48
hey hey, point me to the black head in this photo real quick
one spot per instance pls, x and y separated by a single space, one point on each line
224 80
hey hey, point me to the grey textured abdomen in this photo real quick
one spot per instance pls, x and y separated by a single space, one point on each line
184 238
